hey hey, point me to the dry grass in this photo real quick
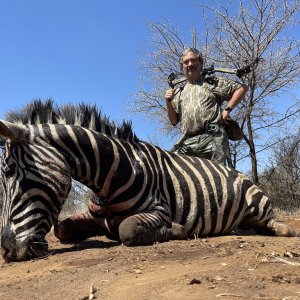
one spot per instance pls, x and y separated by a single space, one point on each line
287 215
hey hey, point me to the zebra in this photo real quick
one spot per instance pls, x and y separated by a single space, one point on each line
143 194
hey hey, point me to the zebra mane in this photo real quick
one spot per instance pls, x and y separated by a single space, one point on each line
84 115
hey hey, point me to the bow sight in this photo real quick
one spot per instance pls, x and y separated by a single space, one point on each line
179 80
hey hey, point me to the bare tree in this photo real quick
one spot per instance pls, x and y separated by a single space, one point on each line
281 179
77 200
1 185
1 197
235 34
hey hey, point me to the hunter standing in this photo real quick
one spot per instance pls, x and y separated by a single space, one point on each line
198 108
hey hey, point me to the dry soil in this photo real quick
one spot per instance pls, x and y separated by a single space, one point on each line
225 267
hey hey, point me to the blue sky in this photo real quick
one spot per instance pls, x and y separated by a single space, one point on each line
83 51
80 51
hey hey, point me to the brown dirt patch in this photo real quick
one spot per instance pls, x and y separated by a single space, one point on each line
226 267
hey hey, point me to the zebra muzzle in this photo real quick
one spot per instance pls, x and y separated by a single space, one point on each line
14 250
37 249
8 245
8 255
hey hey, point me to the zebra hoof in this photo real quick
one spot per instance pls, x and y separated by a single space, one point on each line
281 229
129 231
179 232
63 230
77 227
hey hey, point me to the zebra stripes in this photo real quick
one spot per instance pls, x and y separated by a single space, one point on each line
145 194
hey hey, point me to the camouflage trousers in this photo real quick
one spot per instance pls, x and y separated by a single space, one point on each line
212 144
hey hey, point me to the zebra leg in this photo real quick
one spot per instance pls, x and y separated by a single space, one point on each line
280 229
148 228
79 227
270 227
260 216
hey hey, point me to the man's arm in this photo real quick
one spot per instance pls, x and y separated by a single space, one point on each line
236 98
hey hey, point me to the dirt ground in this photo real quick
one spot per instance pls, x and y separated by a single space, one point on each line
226 267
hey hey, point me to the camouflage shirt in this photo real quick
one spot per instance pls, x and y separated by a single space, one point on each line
199 104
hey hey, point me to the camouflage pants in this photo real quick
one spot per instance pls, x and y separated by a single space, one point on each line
212 145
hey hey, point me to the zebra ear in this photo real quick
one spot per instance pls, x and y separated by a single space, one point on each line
12 131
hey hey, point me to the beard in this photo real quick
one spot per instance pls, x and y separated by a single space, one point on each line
192 73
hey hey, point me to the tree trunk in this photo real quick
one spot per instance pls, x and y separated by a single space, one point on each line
252 152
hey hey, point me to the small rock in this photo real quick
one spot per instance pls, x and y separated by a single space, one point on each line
195 281
219 278
288 254
297 280
280 279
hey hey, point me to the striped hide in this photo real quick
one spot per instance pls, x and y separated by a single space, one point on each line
144 194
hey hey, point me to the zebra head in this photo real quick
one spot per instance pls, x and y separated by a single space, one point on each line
36 181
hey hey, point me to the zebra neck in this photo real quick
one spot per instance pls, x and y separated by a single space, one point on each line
103 165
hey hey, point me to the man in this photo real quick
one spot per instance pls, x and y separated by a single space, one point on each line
198 109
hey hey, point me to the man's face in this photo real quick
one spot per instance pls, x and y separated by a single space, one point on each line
191 66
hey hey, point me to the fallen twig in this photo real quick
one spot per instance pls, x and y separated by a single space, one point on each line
91 295
282 260
229 295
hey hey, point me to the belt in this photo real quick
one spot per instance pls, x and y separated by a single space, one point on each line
211 127
198 132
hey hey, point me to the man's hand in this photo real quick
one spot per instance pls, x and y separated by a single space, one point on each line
169 95
172 114
225 116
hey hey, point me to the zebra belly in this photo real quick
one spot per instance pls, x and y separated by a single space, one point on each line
205 226
210 217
